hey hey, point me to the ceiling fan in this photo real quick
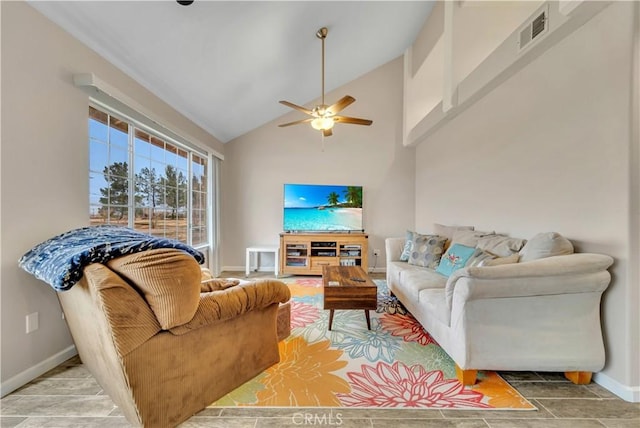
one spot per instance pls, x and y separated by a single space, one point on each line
323 117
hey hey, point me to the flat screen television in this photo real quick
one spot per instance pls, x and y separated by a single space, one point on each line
322 208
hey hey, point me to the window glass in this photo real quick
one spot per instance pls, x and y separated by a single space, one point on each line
140 180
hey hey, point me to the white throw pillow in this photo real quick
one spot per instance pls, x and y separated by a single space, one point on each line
501 245
513 258
485 258
545 245
448 231
469 237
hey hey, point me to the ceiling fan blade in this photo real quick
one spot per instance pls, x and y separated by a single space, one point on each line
327 132
341 104
297 107
352 120
296 122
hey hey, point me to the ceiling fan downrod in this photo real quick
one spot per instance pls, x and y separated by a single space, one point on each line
322 34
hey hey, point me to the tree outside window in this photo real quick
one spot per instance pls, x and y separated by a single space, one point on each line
139 179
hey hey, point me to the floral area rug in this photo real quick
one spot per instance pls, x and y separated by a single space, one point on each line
395 364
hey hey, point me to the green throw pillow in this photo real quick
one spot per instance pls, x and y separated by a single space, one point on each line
455 258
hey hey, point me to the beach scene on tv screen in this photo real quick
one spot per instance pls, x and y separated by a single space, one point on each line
314 207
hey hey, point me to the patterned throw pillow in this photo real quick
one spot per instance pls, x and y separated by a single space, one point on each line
455 258
408 244
427 250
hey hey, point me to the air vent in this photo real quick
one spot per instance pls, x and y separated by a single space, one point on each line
538 25
533 29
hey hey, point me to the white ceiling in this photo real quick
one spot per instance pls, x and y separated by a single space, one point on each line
226 64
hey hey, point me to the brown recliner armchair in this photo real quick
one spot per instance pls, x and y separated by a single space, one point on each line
162 349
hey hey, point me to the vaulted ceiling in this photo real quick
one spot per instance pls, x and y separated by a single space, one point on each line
226 64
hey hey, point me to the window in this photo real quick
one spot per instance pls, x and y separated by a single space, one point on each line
139 179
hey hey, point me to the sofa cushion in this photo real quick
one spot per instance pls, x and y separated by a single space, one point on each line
427 250
545 245
215 284
412 281
131 319
168 279
455 258
209 283
205 274
501 245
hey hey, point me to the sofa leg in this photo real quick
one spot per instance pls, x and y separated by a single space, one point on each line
466 377
579 378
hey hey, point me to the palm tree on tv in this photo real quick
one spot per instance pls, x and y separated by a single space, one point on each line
354 196
333 198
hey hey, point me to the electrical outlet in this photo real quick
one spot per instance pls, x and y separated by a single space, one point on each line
32 322
376 252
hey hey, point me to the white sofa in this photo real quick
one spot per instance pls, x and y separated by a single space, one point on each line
538 315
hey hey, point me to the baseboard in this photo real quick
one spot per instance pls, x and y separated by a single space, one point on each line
270 269
627 393
39 369
241 269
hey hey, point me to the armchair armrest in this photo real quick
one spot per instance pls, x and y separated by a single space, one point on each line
567 274
220 305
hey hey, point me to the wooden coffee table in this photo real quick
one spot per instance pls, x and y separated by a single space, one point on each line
354 290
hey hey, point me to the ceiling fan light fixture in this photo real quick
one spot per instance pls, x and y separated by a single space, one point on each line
322 123
324 116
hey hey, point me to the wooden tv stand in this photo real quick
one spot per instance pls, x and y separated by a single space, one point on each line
307 253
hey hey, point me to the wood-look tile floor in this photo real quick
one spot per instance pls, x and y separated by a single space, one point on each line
68 396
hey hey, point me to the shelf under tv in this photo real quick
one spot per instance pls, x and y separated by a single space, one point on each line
324 249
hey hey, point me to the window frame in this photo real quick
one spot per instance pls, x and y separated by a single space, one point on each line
211 173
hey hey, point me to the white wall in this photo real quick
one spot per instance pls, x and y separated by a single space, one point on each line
549 150
45 189
257 165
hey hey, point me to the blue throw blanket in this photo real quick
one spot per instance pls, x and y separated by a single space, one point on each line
59 261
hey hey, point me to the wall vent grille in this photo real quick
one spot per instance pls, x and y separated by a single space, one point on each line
533 29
